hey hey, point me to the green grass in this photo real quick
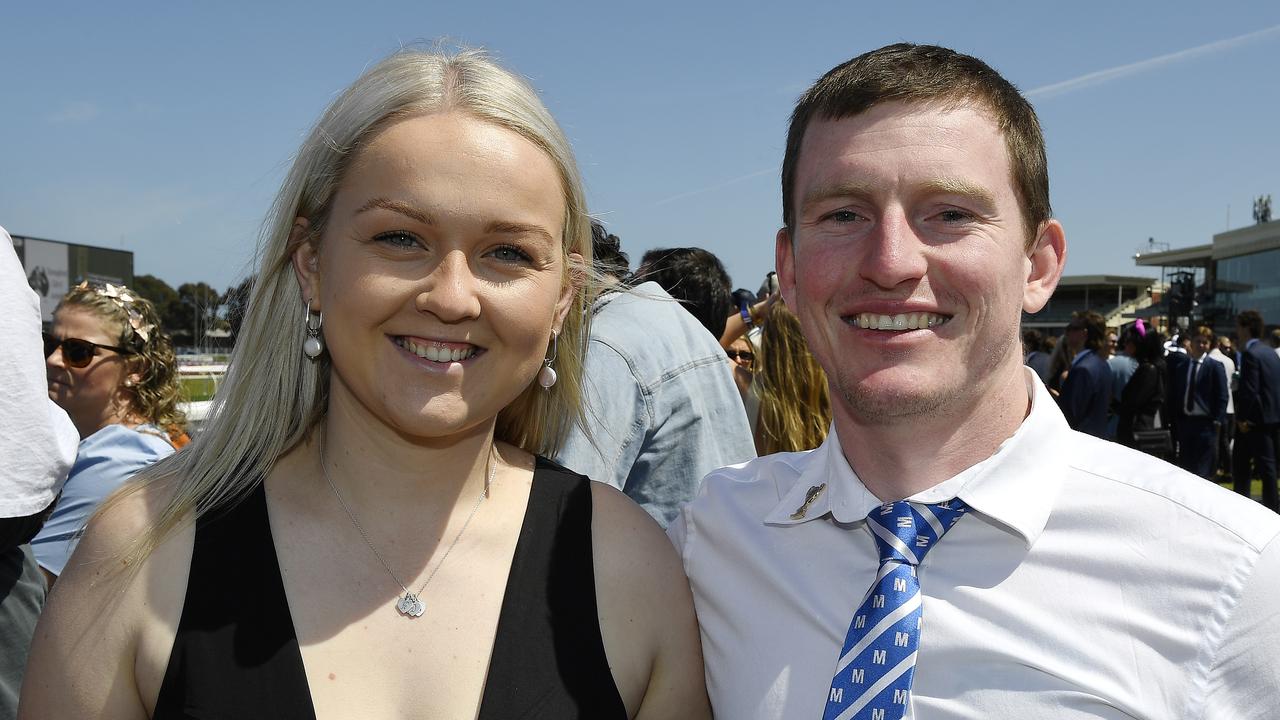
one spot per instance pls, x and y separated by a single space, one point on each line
195 389
1255 488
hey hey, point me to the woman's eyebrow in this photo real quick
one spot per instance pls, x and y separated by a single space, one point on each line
396 206
505 227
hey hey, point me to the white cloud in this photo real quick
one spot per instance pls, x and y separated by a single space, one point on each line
1102 76
80 111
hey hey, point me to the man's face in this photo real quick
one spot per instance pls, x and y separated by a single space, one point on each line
1076 334
1199 346
907 264
1112 342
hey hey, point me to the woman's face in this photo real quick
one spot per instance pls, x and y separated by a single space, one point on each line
92 396
440 273
744 355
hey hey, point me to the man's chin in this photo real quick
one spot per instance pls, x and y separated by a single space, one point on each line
882 400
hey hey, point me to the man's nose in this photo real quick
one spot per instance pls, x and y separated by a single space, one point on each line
894 252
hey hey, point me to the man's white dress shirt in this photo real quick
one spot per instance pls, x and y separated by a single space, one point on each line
1089 581
1230 366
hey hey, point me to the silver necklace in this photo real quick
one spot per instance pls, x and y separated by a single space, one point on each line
410 603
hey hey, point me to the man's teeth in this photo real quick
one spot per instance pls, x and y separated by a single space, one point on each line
436 353
904 321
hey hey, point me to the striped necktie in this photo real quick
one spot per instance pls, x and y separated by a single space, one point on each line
873 677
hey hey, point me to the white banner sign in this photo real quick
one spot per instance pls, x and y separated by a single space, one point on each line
46 265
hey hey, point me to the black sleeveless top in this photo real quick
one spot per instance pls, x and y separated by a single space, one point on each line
236 653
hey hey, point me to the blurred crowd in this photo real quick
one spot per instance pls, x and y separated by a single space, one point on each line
1209 403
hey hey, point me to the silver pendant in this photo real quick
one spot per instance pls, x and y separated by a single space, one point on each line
410 606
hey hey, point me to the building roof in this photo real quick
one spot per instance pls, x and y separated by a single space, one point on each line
1141 283
1196 255
1232 243
1247 240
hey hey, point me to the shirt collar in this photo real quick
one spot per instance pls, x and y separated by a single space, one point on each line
1250 343
1079 355
1016 487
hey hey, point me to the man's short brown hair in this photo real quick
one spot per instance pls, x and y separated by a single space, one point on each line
1094 326
926 73
1250 320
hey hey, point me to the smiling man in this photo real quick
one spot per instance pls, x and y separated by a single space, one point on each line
1072 577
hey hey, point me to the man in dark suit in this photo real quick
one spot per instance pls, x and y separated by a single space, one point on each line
1257 410
1086 393
1198 398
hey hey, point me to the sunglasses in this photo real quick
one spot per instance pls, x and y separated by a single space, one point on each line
745 356
77 353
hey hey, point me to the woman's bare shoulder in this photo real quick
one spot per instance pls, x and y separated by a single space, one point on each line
112 614
646 611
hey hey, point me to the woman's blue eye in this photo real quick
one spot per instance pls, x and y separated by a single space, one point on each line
397 238
507 253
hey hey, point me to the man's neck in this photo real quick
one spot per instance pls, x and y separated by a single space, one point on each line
900 457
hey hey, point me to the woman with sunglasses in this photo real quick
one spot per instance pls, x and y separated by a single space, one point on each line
112 370
367 527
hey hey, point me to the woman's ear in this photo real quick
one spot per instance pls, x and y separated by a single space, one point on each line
306 261
575 283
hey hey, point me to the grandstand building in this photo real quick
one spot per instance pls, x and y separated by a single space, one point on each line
1239 270
53 267
1116 298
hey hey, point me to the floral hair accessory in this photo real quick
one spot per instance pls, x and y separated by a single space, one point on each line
124 298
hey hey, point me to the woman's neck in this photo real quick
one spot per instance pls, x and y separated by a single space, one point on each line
372 465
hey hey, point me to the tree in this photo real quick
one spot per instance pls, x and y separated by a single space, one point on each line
166 301
200 304
236 303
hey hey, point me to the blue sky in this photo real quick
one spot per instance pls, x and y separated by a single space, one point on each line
165 129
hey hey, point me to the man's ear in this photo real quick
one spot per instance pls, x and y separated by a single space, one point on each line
1045 263
306 262
784 264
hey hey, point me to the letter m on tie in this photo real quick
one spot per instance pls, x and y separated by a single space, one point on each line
900 584
837 695
877 713
878 657
901 639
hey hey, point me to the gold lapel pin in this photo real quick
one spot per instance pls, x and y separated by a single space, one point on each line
809 497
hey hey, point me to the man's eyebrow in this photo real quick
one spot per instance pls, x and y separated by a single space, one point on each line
963 188
851 189
396 206
505 227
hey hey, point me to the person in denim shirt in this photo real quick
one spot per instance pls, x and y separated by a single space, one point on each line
660 401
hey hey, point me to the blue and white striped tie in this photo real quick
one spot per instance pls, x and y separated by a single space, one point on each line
878 661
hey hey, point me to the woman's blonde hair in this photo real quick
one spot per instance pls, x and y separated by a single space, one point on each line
273 395
132 320
795 404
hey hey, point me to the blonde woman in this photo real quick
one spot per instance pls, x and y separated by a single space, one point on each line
366 529
112 369
795 407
